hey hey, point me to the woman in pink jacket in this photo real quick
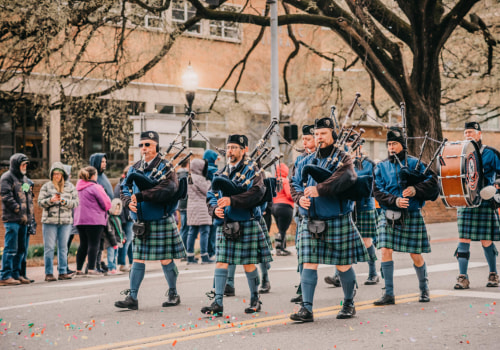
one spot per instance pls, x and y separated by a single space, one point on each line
90 218
282 209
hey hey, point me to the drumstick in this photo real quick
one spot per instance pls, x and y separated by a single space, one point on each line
435 156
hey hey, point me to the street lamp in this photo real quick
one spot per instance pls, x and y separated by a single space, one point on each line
190 84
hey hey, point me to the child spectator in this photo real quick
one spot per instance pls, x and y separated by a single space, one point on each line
114 235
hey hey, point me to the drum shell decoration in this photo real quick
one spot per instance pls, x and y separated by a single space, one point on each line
460 174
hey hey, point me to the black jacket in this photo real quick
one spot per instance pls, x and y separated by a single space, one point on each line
16 192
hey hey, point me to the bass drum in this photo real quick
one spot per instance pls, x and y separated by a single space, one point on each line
460 174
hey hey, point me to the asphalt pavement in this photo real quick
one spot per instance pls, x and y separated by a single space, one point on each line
79 313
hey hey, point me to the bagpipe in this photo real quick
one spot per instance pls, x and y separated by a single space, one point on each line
336 160
240 182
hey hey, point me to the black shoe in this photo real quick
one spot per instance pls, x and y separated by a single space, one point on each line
29 279
104 267
424 296
370 281
265 287
229 291
297 299
348 311
128 303
254 306
214 310
173 299
303 315
282 252
334 281
385 300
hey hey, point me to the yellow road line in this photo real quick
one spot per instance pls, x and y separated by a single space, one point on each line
237 327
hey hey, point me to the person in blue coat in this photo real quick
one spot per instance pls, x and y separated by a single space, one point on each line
407 234
481 223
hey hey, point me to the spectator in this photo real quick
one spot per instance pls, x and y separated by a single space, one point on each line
31 231
211 157
57 197
114 235
282 209
17 212
99 161
126 251
74 231
198 218
90 218
183 172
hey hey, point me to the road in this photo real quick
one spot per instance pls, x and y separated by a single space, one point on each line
79 314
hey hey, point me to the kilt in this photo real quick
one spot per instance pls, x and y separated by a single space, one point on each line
477 224
251 248
342 244
410 238
263 226
366 223
163 242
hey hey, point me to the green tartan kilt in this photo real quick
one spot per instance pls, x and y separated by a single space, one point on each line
250 248
366 223
477 224
408 238
342 245
162 242
263 226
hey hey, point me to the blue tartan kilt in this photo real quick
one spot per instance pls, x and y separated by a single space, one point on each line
477 224
163 241
250 248
342 245
366 223
408 238
263 226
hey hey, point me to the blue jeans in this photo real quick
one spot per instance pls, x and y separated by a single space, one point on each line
53 234
212 240
112 254
129 236
204 231
184 227
14 250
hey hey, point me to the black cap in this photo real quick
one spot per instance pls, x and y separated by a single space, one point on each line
308 130
396 134
150 135
241 140
472 125
324 123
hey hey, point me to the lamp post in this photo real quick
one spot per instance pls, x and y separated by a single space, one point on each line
190 84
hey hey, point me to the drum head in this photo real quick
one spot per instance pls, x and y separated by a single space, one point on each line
472 168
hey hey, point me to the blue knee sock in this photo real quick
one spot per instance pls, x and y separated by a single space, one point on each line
253 283
387 268
348 282
170 271
136 276
231 269
308 281
372 270
220 276
491 253
462 254
263 271
422 277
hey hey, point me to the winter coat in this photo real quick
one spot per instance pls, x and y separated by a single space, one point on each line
210 156
125 215
197 211
114 232
182 173
60 213
94 204
102 179
284 196
17 196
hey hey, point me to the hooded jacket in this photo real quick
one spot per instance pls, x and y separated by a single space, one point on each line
211 157
102 179
15 189
197 211
94 204
284 196
60 213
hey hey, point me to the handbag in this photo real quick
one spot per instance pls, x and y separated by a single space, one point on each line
317 228
140 230
231 230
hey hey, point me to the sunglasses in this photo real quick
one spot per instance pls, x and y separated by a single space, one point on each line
147 144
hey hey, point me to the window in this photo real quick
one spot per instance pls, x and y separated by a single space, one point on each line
182 11
224 29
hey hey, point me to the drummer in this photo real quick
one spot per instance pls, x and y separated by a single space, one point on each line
480 223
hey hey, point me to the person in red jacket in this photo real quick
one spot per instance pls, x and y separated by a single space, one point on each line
282 209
